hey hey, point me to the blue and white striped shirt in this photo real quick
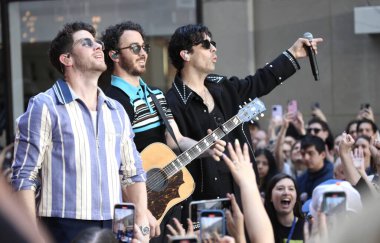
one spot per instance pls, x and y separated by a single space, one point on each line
82 167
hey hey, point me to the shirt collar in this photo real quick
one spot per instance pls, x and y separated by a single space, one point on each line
128 88
65 94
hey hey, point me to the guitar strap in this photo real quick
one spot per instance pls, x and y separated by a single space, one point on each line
163 116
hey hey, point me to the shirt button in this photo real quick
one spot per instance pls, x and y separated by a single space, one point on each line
271 65
279 78
217 197
216 178
204 111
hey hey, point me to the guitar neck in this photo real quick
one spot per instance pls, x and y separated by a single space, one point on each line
189 155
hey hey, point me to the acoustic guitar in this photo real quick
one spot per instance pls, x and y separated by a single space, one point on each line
168 180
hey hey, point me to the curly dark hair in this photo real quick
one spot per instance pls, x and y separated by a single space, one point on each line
183 39
64 40
111 37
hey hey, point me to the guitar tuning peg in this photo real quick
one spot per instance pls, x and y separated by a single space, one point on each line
245 103
262 114
257 118
251 121
249 99
240 106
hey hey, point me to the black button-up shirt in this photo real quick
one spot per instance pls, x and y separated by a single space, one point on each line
213 178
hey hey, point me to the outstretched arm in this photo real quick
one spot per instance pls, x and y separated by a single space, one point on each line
259 226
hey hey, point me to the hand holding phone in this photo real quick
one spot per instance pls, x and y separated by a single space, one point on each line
213 224
124 221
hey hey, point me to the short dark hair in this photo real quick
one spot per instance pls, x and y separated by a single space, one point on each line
111 38
349 124
311 140
365 120
64 40
330 137
183 39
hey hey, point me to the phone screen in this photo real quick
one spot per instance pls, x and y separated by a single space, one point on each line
124 221
277 111
293 108
212 224
333 202
197 206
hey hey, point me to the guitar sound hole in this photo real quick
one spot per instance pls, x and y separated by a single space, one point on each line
157 180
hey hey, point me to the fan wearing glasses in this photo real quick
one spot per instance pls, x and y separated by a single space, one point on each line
73 144
126 57
200 100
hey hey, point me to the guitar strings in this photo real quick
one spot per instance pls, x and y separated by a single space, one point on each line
209 139
229 125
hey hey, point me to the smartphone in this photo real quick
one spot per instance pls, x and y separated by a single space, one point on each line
293 108
277 112
365 106
333 202
196 207
213 224
183 239
124 221
315 105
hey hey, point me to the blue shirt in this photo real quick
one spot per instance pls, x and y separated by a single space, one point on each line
82 167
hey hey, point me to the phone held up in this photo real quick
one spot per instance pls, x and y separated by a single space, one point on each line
365 106
277 112
213 224
293 108
196 207
334 202
124 221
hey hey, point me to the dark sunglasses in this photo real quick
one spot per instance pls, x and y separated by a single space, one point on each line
206 43
136 48
315 130
87 42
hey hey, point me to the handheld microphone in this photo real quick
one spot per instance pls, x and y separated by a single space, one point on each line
312 58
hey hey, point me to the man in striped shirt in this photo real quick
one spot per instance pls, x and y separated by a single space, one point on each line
76 145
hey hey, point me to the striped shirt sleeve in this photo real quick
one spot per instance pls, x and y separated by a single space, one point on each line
33 136
131 169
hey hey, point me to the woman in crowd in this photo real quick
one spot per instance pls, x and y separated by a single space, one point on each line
266 166
283 206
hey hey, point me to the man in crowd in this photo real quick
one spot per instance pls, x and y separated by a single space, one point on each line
200 101
126 56
318 169
75 145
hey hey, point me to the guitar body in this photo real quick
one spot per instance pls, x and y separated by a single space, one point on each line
163 192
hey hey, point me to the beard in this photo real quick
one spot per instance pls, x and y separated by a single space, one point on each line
132 67
90 65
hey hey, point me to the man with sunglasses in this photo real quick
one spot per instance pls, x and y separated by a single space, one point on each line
74 144
126 56
200 101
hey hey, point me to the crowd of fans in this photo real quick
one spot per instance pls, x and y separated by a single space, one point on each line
299 165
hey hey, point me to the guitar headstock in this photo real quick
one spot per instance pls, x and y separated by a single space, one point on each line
251 110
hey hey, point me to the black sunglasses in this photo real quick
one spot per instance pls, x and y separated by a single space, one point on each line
87 42
315 130
206 43
136 48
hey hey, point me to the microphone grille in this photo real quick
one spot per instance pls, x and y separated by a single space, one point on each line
308 36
